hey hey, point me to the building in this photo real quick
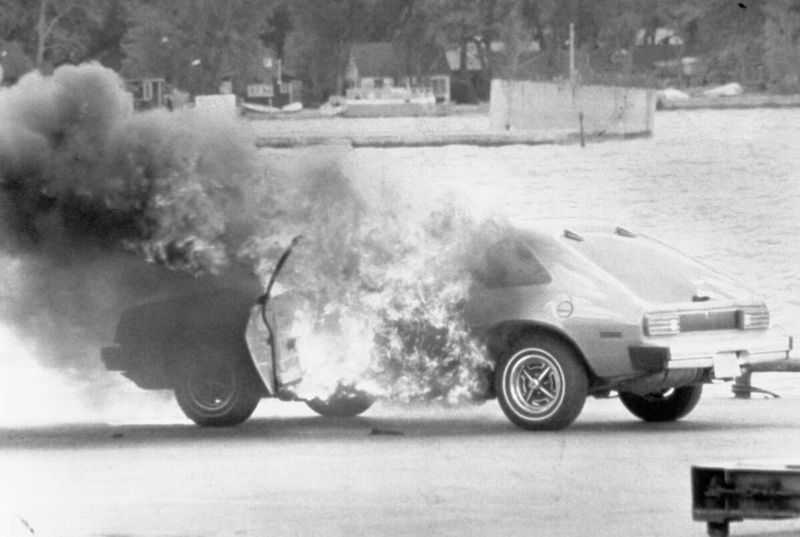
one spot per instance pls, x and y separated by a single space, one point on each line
383 71
278 88
147 92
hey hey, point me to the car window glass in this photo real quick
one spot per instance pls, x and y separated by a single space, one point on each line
650 269
511 262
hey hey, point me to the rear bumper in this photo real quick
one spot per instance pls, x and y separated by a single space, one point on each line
115 358
701 351
748 351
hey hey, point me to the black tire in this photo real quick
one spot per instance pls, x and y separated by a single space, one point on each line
541 383
346 402
216 389
669 405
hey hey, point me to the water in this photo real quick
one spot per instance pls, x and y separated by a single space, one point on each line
722 186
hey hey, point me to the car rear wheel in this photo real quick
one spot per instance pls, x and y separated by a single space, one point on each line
216 389
345 402
668 405
541 383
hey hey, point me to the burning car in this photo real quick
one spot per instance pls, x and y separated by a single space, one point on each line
221 351
563 313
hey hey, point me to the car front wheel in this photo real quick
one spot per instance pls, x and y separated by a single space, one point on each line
215 389
669 405
541 383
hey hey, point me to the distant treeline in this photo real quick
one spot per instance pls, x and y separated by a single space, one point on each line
194 44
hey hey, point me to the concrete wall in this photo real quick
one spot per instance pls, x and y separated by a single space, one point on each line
522 105
222 107
388 109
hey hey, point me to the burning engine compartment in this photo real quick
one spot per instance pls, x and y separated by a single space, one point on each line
102 208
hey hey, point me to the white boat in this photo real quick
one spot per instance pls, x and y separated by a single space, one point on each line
292 107
260 108
672 94
332 109
728 90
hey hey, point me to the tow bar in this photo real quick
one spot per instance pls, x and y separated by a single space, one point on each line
727 493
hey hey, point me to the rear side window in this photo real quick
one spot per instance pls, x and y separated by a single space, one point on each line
511 262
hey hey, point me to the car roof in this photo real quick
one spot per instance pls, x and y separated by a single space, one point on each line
570 227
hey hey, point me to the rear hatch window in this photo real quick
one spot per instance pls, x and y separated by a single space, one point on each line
655 272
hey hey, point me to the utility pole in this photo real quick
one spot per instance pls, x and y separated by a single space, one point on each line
572 52
572 81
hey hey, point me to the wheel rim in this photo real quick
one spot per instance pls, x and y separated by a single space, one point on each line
212 386
534 383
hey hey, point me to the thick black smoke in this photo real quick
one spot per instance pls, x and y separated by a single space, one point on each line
101 207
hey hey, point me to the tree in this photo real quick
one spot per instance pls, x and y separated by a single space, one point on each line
471 25
280 26
15 20
63 29
105 43
730 35
195 44
782 44
415 36
318 47
55 32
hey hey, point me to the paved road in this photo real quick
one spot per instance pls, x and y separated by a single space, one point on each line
453 472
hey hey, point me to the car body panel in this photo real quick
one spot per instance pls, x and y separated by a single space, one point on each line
600 282
699 349
153 337
259 343
273 347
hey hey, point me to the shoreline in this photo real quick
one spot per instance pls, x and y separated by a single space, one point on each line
460 125
487 139
737 102
470 126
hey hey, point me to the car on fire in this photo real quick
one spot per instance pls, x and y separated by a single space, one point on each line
565 312
221 351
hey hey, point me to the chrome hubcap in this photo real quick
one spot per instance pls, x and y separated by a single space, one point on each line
534 383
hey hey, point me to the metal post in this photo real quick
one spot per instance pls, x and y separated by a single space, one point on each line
572 52
741 385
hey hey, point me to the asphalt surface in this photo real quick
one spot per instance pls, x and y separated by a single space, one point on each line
394 471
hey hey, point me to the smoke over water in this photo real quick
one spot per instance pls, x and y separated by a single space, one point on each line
101 208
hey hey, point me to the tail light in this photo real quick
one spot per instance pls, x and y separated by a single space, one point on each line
753 318
662 324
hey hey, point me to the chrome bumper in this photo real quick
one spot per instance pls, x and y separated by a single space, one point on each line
748 350
702 351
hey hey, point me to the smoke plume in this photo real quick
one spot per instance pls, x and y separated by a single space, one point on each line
101 207
90 191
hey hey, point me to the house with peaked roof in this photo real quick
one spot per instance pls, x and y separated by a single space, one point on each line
383 71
